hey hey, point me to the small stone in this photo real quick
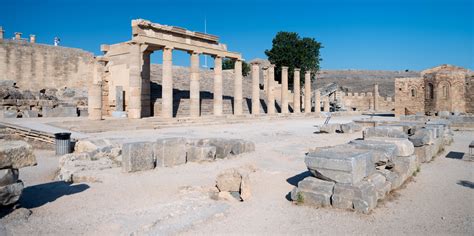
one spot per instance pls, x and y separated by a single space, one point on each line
350 127
329 128
314 192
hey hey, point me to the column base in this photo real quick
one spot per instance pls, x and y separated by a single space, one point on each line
119 114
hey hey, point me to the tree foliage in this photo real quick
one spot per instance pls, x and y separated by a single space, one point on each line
289 49
228 64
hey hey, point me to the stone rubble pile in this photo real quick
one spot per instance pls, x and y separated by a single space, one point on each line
13 156
169 152
234 184
362 172
64 102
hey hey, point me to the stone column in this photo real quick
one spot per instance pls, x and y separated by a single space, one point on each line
255 89
284 89
119 98
238 87
2 33
265 79
307 92
326 104
376 97
135 82
317 101
17 35
296 91
94 101
271 95
32 38
217 85
194 92
167 83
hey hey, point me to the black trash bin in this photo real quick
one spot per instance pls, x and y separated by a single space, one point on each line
63 143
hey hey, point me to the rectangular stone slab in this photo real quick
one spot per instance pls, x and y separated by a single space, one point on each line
339 164
170 152
385 132
137 156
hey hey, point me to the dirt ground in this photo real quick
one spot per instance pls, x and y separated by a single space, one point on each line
175 200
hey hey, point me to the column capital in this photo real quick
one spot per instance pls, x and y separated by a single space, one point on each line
308 72
271 66
254 63
297 69
168 48
284 67
216 56
194 52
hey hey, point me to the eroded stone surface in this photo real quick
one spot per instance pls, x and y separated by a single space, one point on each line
137 156
16 154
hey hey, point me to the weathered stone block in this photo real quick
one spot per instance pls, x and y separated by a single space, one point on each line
170 152
382 186
16 154
365 197
422 137
405 166
29 114
223 147
8 114
329 128
137 156
343 196
404 147
200 153
314 192
338 164
385 132
394 178
383 151
423 153
229 181
10 194
241 146
8 176
350 127
59 112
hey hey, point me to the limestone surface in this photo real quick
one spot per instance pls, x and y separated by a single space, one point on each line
16 154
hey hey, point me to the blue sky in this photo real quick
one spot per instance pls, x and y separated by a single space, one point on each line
365 34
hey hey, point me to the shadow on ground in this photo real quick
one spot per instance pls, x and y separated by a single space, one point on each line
466 183
38 195
455 155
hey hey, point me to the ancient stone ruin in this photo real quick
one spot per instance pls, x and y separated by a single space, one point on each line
359 174
13 156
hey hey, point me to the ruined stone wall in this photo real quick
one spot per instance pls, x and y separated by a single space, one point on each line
38 66
409 96
449 92
365 102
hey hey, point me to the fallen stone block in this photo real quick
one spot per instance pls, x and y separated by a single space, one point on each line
241 146
382 186
383 151
405 166
422 137
314 192
8 114
423 153
409 128
29 114
8 176
170 152
223 146
16 154
10 194
329 128
59 112
393 177
384 132
365 197
340 164
404 146
444 114
350 127
137 156
343 196
200 153
229 181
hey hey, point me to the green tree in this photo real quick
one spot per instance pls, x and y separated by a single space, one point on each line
228 64
290 50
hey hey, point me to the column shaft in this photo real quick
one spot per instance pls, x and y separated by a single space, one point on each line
135 82
217 85
194 106
326 104
255 89
167 83
317 101
238 88
376 97
284 89
271 95
307 92
296 91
